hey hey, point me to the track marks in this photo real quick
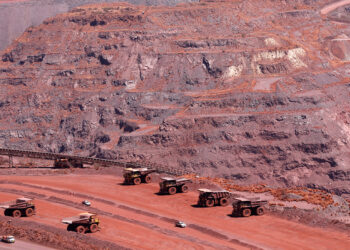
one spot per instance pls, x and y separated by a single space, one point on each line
196 227
153 227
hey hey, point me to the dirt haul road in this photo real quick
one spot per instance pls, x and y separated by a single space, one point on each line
136 217
325 10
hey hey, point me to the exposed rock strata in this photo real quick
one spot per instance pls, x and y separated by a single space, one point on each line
249 92
18 15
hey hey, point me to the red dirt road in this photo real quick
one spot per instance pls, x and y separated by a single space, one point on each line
136 217
325 10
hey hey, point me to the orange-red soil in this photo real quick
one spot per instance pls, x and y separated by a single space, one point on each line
145 219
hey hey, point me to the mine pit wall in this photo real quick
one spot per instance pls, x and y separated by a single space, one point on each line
18 16
251 107
236 149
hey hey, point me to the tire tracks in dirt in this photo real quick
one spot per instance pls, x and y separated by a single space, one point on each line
153 227
196 227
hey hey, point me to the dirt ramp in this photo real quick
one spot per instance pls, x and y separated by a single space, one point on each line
338 11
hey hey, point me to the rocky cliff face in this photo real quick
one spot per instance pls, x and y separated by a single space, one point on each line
18 15
257 93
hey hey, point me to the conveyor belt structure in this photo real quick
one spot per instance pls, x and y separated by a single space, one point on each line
87 160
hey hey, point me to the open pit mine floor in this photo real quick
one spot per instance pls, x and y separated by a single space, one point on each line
137 217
